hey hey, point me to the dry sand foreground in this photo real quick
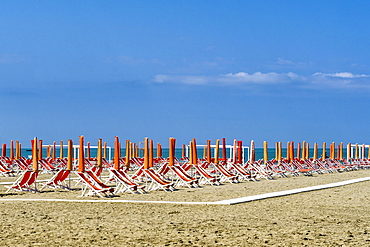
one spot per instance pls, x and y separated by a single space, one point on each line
332 217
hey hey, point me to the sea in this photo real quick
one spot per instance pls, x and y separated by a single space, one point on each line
26 152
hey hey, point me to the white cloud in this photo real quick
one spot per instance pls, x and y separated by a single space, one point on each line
346 75
237 78
316 80
286 62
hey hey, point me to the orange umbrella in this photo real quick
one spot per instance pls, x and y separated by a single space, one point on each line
253 153
324 151
195 155
240 152
368 152
183 147
276 150
224 156
105 150
11 154
151 163
265 152
70 156
159 150
17 150
3 153
307 151
356 151
88 151
349 151
204 151
298 150
363 151
48 151
54 153
304 150
146 153
315 150
171 156
81 156
340 151
191 153
217 150
100 153
40 149
209 157
116 153
292 150
35 163
280 151
61 154
128 151
234 152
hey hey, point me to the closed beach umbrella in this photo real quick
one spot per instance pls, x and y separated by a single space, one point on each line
240 152
146 153
81 156
70 156
298 150
315 150
128 154
116 153
349 151
224 156
195 155
100 153
235 150
11 153
209 158
105 150
356 151
340 151
88 151
3 151
191 152
151 154
40 150
276 150
48 151
17 150
61 154
307 151
368 152
171 154
35 160
159 150
183 147
217 151
304 150
252 157
363 151
54 153
323 150
265 152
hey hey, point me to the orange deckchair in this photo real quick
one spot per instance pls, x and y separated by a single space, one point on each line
124 183
24 182
58 180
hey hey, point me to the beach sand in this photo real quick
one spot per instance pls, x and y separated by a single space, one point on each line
332 217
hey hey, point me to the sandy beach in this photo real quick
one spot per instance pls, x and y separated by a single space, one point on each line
331 217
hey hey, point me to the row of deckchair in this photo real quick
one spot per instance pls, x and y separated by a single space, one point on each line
162 176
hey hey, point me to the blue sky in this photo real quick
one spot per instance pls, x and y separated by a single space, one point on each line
251 70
